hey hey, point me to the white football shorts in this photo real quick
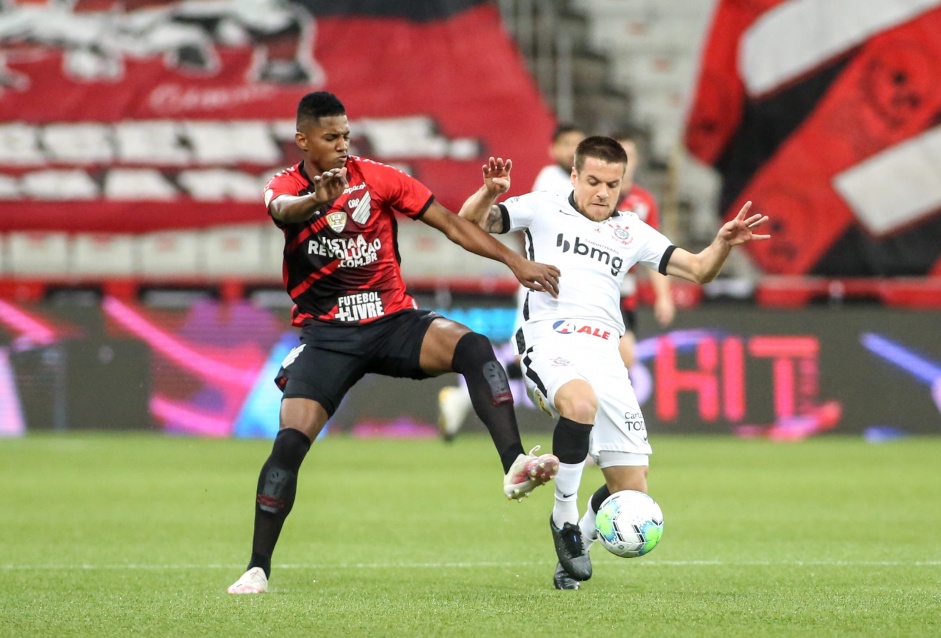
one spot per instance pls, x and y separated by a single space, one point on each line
619 424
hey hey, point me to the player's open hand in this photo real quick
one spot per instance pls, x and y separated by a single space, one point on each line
329 185
739 230
497 175
664 309
537 276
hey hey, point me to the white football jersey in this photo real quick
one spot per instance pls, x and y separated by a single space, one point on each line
555 179
592 257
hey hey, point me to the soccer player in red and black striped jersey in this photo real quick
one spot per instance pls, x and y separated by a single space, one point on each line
341 268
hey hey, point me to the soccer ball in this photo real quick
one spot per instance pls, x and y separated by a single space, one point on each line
629 523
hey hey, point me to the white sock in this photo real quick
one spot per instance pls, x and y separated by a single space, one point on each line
566 482
589 528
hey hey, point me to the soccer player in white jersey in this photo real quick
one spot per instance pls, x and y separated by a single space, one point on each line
570 344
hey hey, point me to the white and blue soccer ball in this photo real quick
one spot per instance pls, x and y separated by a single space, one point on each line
630 524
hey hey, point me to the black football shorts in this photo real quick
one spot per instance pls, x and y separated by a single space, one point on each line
334 356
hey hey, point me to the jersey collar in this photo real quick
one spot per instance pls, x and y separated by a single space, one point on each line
300 169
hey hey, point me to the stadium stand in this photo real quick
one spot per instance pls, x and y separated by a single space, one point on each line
104 255
39 253
652 48
632 66
645 51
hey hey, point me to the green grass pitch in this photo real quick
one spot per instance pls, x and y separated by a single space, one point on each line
138 535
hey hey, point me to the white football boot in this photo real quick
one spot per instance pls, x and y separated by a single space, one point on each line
253 581
529 472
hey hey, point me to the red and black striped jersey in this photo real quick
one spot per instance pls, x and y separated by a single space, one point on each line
343 265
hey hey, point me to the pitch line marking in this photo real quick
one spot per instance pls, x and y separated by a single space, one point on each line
465 565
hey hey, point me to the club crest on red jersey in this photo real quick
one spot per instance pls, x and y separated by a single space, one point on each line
337 221
361 207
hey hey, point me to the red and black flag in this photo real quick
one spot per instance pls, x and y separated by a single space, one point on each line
827 114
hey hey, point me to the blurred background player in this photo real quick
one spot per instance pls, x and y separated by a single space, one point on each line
640 201
453 401
557 176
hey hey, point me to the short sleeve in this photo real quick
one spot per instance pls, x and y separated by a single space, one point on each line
290 181
653 246
286 182
404 193
520 211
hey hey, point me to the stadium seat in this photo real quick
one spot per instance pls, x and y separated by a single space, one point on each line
106 254
247 142
426 253
235 250
171 253
662 71
38 253
272 251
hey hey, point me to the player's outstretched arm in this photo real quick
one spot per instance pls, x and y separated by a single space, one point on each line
533 275
706 264
480 208
292 209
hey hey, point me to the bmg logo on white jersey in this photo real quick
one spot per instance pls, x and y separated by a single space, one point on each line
591 252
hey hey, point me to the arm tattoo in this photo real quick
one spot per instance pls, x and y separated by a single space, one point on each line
494 220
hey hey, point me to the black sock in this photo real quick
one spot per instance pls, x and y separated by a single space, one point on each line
570 440
277 486
599 496
490 394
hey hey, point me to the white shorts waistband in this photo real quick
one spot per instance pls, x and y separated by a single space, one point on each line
580 331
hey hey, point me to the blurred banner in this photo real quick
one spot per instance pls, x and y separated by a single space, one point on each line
208 370
137 116
825 113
